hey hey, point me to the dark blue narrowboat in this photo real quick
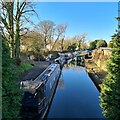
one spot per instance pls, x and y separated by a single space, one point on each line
39 93
61 60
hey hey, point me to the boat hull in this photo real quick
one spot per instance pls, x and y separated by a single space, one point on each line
39 109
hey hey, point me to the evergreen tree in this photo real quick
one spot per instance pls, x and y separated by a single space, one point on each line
10 88
110 88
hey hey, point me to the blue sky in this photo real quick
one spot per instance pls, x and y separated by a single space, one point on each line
97 19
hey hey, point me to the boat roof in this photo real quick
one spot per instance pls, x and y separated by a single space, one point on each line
47 72
31 86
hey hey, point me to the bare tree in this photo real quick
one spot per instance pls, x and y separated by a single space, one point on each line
32 41
81 39
60 34
8 23
23 11
13 15
46 29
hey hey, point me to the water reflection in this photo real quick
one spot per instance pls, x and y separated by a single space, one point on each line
76 96
60 83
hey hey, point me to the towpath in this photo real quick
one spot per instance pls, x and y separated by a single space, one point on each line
39 67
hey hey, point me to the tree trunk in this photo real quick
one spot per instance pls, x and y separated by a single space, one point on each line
45 42
79 45
10 7
55 43
17 40
62 45
17 32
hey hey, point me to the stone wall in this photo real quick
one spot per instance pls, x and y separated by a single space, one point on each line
100 57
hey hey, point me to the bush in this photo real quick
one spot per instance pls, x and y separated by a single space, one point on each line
11 94
101 43
10 89
17 61
110 88
92 45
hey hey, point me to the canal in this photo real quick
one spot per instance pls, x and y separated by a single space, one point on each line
76 96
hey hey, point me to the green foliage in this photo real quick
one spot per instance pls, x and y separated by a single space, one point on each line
101 43
110 44
10 87
23 68
110 88
32 42
97 44
92 45
72 47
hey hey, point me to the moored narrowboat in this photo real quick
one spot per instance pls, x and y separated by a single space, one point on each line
39 93
60 60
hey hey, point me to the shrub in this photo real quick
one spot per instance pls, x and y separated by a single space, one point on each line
11 94
10 89
110 88
101 43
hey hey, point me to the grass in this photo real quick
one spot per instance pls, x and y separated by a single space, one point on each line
24 67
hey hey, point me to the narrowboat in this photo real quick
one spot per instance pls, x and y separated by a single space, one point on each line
80 58
61 60
37 94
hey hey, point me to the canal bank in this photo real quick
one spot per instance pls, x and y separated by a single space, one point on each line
39 67
76 96
96 74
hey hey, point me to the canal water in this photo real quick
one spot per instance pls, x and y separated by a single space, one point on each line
76 96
